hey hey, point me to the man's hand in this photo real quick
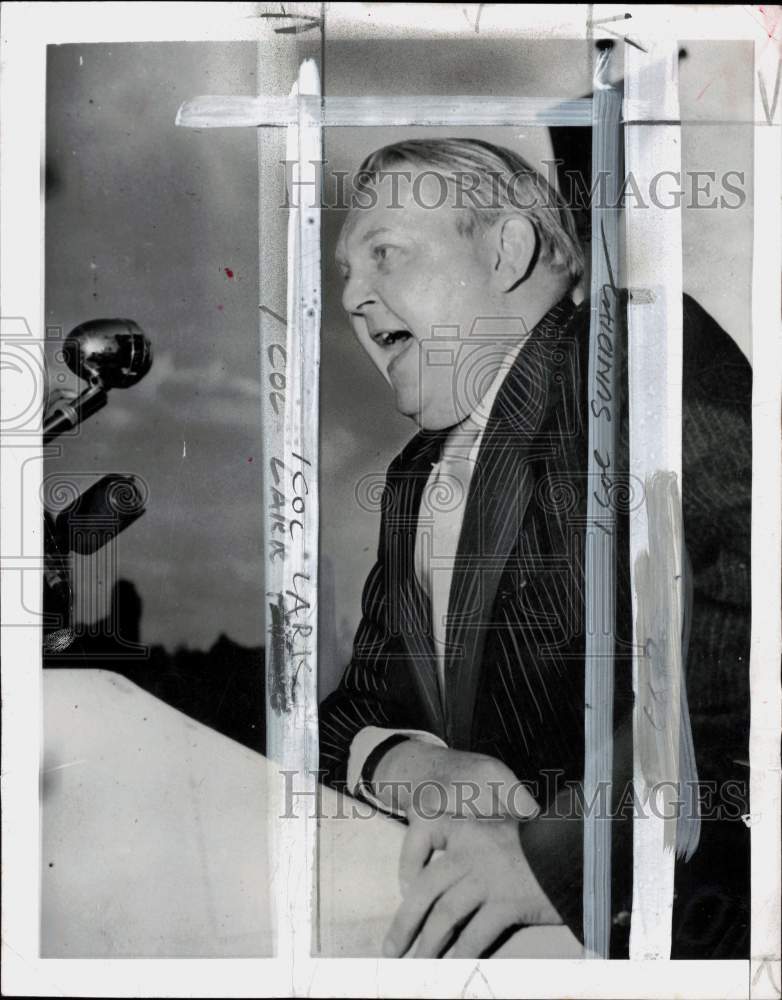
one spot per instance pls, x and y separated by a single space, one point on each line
480 886
468 806
426 781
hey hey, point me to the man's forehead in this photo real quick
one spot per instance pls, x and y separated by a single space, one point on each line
364 224
406 199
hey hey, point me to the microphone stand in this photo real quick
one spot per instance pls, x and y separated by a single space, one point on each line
108 354
70 415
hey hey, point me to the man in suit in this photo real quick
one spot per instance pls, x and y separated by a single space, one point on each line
465 693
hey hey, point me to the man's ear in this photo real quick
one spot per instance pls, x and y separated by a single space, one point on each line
516 251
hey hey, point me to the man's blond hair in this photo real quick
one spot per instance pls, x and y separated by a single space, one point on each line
490 179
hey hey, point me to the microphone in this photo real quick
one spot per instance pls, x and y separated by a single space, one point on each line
106 353
99 514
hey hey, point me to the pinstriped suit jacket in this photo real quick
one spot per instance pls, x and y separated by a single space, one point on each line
514 670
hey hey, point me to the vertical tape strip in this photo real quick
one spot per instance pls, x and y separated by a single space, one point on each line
23 381
766 643
600 566
291 464
654 261
305 482
276 62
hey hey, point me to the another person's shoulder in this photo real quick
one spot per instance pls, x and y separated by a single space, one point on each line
714 368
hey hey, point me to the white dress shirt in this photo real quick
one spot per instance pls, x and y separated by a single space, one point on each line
437 537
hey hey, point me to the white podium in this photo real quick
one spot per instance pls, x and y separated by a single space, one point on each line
155 840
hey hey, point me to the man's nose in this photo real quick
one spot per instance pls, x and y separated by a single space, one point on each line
357 295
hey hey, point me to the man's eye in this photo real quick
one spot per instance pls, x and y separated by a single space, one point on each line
382 252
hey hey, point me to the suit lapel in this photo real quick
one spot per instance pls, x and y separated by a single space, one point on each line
410 605
500 492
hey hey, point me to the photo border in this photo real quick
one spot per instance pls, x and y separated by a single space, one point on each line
26 31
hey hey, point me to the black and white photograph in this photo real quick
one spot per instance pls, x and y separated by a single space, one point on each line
465 280
391 499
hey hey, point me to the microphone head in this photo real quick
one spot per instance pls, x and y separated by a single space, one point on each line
110 353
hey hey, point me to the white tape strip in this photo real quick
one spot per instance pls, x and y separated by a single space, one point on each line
292 552
237 111
654 260
22 396
766 644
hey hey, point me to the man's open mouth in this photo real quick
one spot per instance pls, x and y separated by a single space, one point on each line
388 337
398 343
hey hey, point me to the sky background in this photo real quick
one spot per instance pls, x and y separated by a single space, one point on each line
159 224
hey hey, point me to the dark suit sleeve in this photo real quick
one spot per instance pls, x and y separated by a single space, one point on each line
365 695
375 689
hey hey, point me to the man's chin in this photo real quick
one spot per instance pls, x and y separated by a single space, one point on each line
413 415
425 418
407 407
428 422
